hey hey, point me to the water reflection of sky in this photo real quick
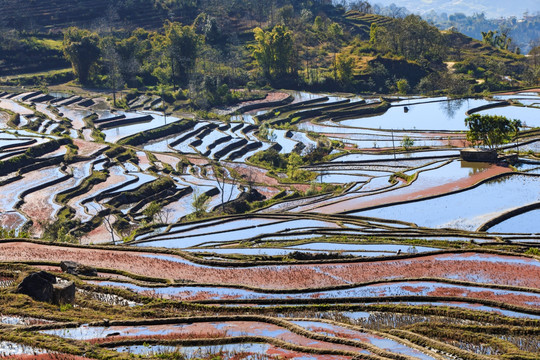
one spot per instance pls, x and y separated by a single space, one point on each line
524 223
469 209
529 116
441 115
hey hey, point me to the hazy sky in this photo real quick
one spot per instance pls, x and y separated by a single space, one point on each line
492 8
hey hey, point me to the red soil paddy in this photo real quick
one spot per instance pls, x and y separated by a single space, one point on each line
100 235
255 174
168 159
45 357
226 329
197 160
513 299
367 201
258 175
87 148
11 220
144 162
482 268
270 97
283 354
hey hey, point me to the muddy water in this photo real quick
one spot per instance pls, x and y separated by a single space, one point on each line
8 348
494 269
364 247
471 306
11 192
286 143
117 133
390 157
438 178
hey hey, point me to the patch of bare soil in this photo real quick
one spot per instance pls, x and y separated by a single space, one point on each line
87 148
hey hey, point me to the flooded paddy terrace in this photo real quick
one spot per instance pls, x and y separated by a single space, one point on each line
415 233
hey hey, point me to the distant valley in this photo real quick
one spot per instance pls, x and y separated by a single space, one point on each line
492 8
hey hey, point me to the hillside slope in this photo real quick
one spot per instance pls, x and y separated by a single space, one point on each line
58 14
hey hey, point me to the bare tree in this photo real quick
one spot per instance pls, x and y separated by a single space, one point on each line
362 6
107 220
220 173
250 177
395 11
113 63
105 25
109 226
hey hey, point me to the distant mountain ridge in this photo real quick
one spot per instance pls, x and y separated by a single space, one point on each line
492 8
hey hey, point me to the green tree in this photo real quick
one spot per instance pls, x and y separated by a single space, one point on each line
410 37
344 69
532 74
318 24
81 48
200 204
373 33
208 27
285 14
361 6
274 52
181 45
407 142
497 39
403 86
334 33
152 210
294 170
491 130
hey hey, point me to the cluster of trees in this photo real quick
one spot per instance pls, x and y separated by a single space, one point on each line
498 39
274 52
178 59
491 130
392 10
532 74
292 163
289 43
143 57
410 37
206 61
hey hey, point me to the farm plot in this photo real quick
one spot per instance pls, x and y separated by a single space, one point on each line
356 232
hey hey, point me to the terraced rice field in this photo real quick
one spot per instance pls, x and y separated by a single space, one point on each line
386 252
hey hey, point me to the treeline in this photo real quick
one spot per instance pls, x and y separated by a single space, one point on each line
176 61
311 45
